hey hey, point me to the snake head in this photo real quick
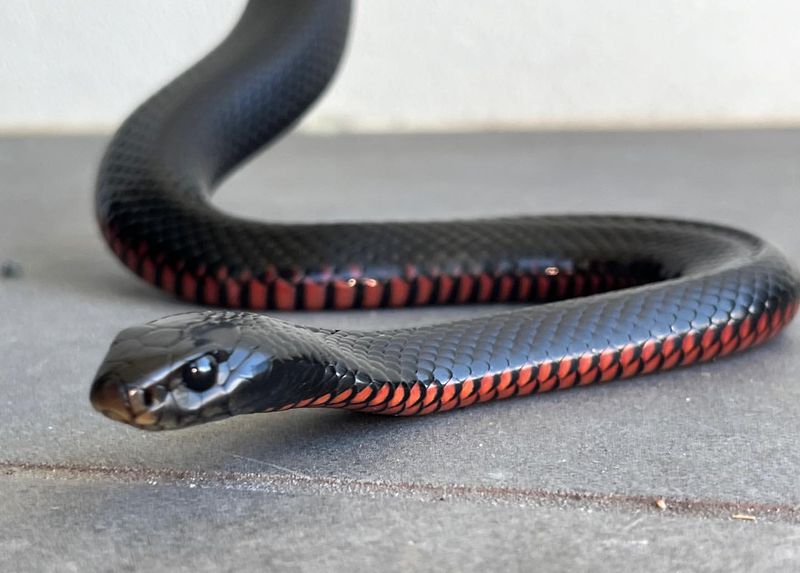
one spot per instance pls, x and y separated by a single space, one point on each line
179 371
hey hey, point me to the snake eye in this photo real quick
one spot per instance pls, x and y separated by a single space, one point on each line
200 374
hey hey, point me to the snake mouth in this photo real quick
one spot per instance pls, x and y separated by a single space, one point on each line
111 397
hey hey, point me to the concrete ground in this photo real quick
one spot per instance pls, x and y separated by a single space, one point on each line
562 482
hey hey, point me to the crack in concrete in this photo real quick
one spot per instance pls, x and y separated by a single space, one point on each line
257 481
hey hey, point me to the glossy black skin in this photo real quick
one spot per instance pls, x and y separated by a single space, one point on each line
152 197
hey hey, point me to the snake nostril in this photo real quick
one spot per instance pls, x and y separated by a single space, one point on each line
153 396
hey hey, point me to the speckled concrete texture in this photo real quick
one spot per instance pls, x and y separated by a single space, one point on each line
565 481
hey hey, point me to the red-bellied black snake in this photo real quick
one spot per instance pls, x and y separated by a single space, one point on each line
625 295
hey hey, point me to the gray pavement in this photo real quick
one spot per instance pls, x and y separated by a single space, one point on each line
563 482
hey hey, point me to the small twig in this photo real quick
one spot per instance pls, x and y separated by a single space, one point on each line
743 517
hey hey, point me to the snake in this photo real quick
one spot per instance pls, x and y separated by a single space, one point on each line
596 297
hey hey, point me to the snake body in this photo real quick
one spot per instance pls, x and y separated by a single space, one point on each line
625 295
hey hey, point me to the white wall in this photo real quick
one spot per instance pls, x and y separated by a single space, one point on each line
425 64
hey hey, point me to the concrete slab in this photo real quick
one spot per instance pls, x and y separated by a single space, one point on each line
723 433
52 524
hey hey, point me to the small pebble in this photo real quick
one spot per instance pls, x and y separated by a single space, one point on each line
10 270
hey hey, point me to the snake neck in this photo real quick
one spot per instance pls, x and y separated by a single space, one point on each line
289 382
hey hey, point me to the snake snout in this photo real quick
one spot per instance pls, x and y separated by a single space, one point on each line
111 397
108 398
